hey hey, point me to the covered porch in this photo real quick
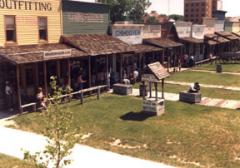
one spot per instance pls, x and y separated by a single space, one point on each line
172 52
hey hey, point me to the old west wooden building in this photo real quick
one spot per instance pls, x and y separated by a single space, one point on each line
41 39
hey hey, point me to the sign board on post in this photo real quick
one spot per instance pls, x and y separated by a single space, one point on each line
57 53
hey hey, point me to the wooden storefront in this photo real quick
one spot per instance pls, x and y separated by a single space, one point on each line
25 21
31 66
85 18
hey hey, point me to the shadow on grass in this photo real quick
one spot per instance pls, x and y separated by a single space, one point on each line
140 116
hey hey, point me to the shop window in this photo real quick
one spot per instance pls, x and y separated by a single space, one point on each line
42 26
10 28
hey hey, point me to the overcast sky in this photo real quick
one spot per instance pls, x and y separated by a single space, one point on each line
176 6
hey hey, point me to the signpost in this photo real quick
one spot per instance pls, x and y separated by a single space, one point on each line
155 73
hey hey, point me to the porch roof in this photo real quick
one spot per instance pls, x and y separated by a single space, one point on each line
192 40
236 34
164 43
215 37
227 35
35 53
144 48
95 44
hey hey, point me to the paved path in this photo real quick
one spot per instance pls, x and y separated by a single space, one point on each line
13 142
229 104
205 85
214 72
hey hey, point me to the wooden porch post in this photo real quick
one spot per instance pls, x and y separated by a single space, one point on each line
18 88
58 70
36 74
89 72
45 78
121 69
156 90
163 54
69 72
140 64
107 71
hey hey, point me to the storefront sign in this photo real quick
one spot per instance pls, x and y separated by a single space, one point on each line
219 25
58 53
25 5
198 31
184 29
85 17
152 31
130 35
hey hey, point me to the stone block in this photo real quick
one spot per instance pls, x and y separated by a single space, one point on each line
122 89
154 106
190 97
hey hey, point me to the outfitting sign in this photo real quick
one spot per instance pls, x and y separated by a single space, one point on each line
25 5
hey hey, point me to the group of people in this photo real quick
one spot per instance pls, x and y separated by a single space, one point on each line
130 78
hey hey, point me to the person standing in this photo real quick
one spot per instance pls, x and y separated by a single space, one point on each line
80 81
9 96
41 98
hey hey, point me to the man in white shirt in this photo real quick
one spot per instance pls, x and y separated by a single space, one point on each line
9 96
194 88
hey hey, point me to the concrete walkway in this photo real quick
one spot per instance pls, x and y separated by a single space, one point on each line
13 142
205 85
211 102
214 72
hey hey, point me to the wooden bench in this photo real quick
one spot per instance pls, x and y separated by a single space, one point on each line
190 97
34 105
122 89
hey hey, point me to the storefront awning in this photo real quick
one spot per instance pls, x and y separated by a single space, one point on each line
192 40
97 44
39 53
164 43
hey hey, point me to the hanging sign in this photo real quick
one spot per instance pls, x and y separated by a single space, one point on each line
58 53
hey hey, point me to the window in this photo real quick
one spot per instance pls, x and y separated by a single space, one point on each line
42 26
10 28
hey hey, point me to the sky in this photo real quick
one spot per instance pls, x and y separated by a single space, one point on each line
176 6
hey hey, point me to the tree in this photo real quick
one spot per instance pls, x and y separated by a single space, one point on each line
119 9
62 136
138 10
152 20
176 17
122 10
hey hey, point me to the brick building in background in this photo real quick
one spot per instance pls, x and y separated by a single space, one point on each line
196 10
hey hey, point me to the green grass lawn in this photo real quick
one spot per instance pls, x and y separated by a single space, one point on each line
226 67
11 162
206 92
187 135
206 78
